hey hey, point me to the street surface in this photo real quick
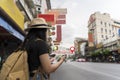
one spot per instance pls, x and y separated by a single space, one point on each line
87 71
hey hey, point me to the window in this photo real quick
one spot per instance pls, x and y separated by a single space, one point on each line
112 28
101 22
113 34
105 24
102 36
101 30
106 31
106 37
110 32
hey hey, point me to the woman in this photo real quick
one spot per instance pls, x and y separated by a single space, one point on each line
37 48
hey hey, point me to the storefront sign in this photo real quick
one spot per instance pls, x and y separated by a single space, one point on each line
11 30
59 33
60 10
60 21
60 15
48 17
13 12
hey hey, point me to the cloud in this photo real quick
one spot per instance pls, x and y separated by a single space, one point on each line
78 13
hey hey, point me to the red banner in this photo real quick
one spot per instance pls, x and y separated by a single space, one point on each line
48 17
90 37
59 33
60 21
61 16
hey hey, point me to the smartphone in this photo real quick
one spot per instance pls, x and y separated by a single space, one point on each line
59 57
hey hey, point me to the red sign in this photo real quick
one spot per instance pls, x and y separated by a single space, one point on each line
60 21
47 17
90 37
61 16
59 33
72 49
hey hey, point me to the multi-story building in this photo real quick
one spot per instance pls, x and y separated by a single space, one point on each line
79 44
103 30
14 17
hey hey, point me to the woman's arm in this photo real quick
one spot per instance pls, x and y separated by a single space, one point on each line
46 63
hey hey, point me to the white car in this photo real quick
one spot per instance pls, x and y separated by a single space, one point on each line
81 60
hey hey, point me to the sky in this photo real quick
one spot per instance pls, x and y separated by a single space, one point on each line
78 13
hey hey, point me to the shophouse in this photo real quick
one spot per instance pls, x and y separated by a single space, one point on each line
103 31
14 18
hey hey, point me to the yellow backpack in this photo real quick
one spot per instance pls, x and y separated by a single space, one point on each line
15 67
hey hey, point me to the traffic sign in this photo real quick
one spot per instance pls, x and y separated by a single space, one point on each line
72 49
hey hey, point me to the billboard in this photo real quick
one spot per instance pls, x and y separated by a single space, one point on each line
60 10
60 21
60 15
48 17
10 8
90 39
59 33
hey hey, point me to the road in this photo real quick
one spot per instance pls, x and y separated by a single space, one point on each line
87 71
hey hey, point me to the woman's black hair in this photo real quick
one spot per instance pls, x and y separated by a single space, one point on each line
32 35
37 33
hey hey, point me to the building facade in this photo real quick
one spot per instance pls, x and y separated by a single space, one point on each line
14 18
103 29
79 44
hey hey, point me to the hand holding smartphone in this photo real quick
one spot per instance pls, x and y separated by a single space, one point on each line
61 57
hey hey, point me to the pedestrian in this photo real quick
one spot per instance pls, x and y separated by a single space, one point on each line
37 48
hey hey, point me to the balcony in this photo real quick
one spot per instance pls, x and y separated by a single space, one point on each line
27 8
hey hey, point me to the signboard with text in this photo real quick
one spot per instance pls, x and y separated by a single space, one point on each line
13 12
48 17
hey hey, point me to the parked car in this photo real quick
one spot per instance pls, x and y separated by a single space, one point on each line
81 60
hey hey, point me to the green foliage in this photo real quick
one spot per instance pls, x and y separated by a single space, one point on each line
106 51
95 53
100 52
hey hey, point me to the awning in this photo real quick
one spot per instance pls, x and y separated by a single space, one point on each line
10 29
